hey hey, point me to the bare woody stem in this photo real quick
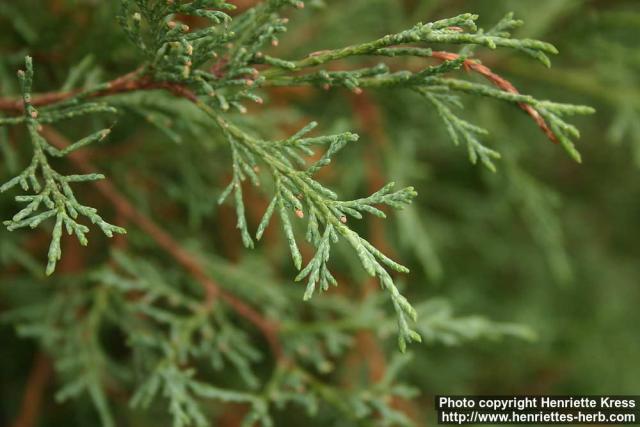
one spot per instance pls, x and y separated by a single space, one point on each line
130 82
501 83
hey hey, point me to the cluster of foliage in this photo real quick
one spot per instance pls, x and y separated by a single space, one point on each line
168 317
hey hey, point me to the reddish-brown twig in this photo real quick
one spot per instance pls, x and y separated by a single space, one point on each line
129 82
39 377
502 83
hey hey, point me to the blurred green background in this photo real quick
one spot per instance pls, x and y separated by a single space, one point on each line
544 243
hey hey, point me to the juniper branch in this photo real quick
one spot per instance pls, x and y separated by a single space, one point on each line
175 61
297 192
55 194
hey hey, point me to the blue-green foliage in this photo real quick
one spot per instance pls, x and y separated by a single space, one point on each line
197 97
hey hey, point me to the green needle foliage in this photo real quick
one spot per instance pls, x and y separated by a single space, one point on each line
197 334
51 189
176 55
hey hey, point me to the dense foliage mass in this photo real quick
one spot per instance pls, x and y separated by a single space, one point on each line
183 163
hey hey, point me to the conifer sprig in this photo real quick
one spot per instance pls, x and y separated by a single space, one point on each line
51 189
298 194
221 65
448 31
458 30
182 324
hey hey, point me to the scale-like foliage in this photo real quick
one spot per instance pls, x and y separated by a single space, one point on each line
200 67
52 190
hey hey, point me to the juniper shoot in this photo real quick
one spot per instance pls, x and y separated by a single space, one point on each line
202 70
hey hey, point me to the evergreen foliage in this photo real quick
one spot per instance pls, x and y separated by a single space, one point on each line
191 113
56 193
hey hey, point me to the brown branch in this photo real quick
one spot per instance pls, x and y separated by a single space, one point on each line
501 83
370 121
269 328
129 82
370 118
39 378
